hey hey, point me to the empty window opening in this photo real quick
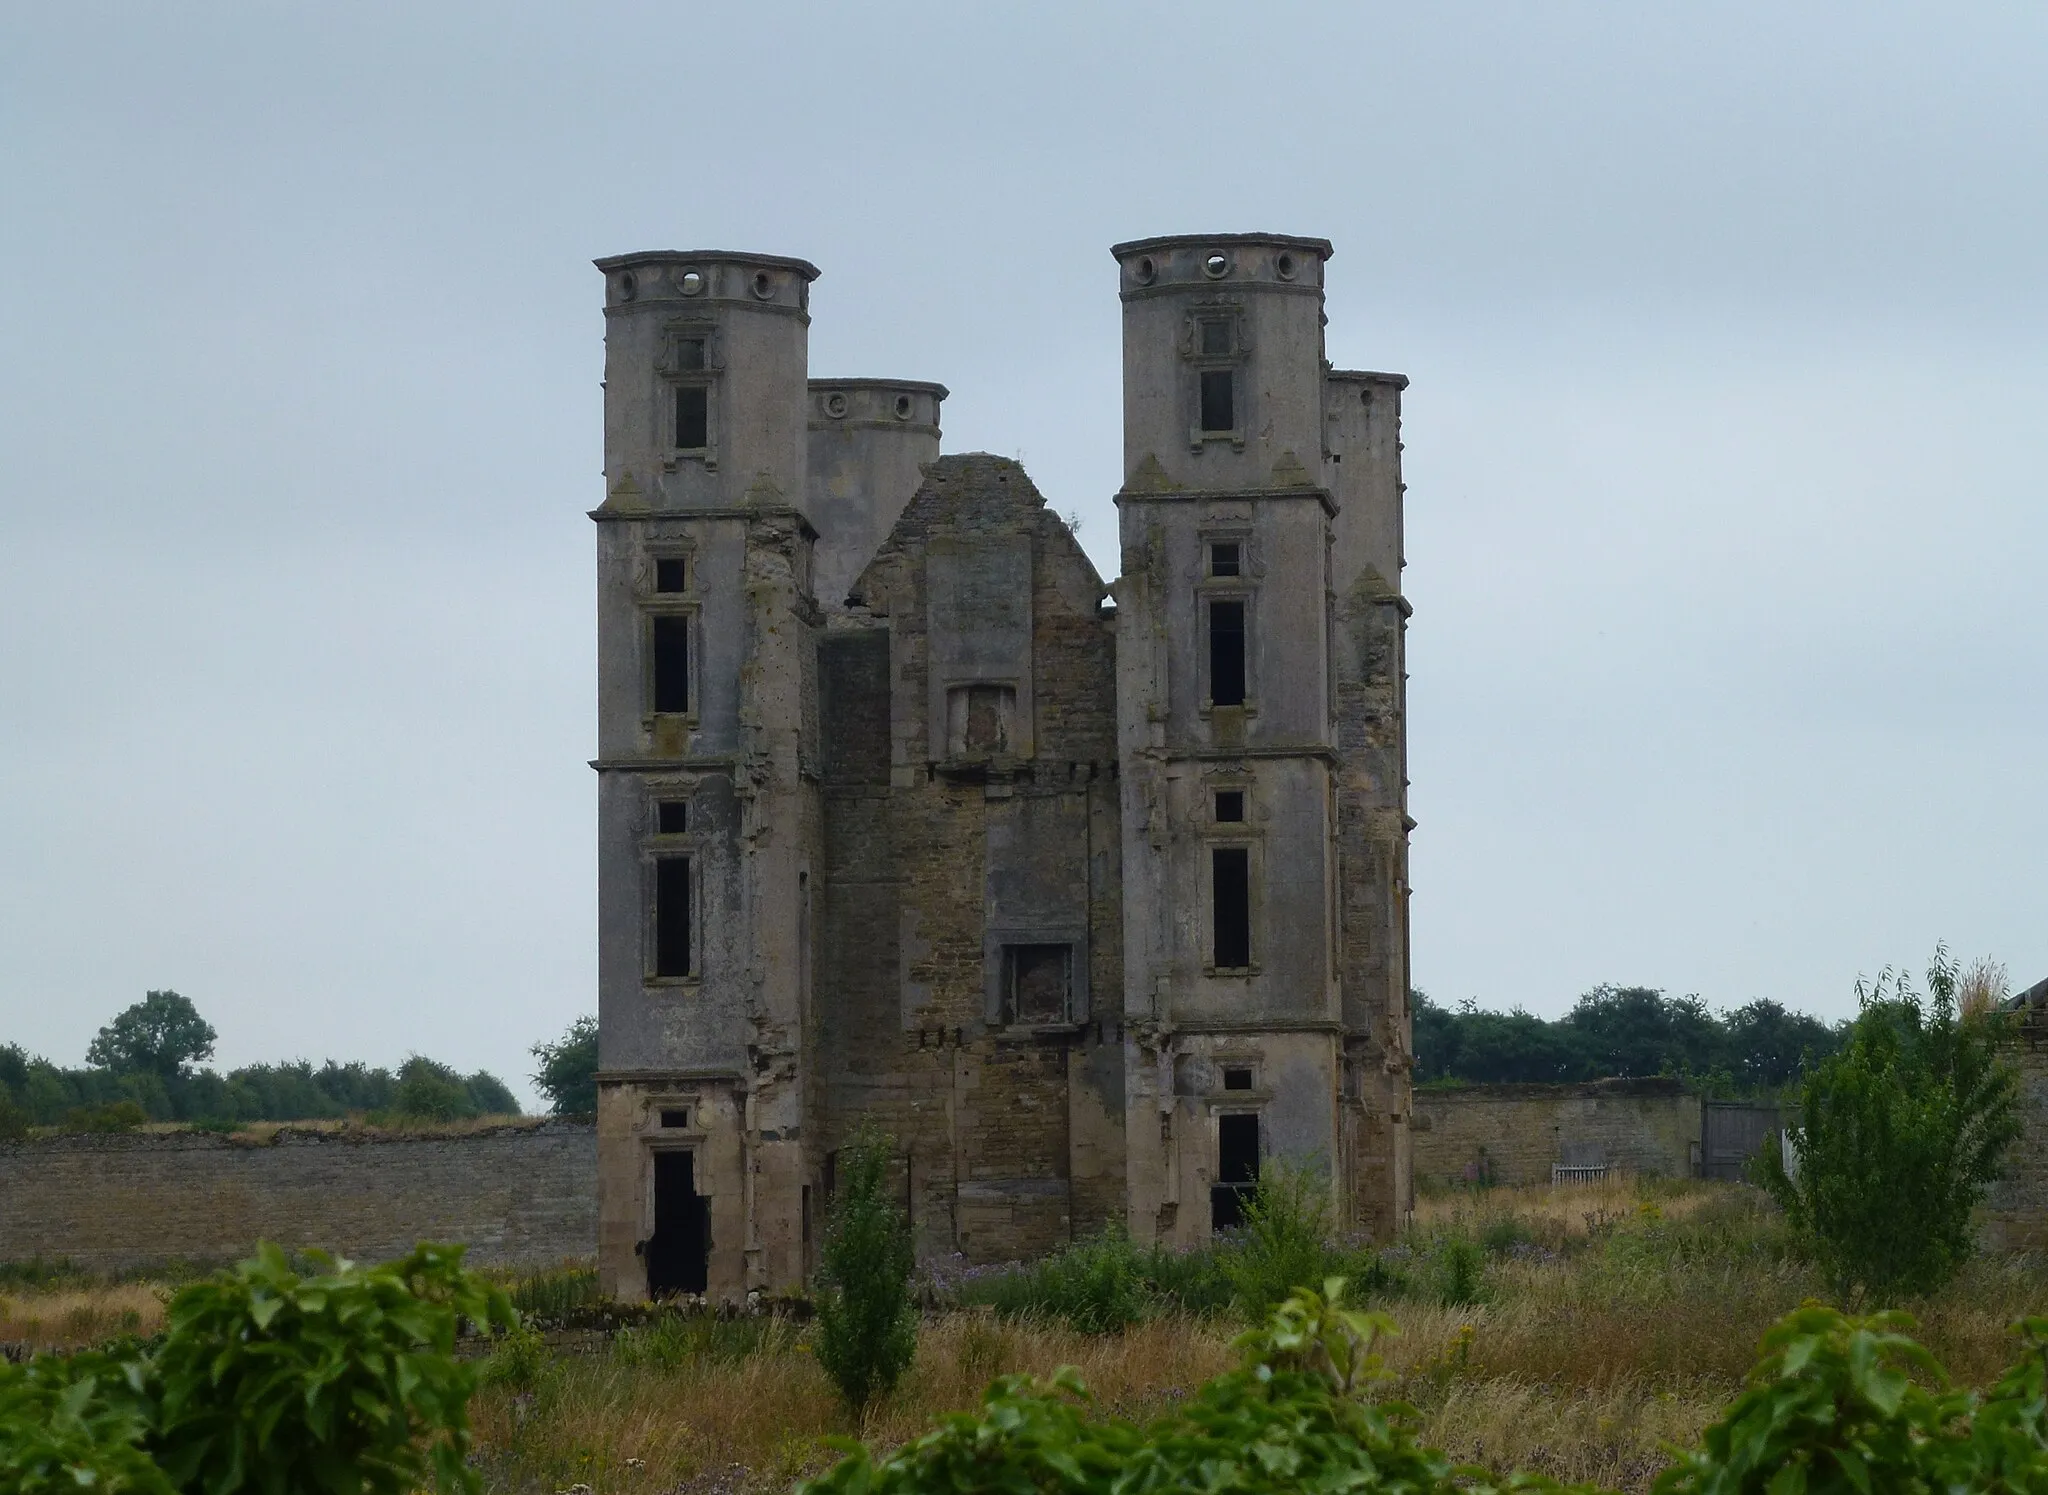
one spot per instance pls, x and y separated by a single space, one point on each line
1038 981
693 417
674 1119
1229 806
1219 405
672 917
1226 559
1226 652
1230 873
1237 1170
1215 339
672 664
673 575
690 353
1237 1079
978 720
679 1251
672 817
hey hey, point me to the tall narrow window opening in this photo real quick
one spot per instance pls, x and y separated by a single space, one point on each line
1226 652
672 952
671 664
1230 873
1237 1170
693 417
1219 404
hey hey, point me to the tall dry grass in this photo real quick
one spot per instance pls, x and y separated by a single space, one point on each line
75 1317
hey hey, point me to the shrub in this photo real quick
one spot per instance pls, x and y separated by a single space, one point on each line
1900 1134
1459 1264
1286 1225
77 1423
342 1382
115 1116
1097 1285
867 1321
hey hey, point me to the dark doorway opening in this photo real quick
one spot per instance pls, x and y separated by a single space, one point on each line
1237 1170
679 1252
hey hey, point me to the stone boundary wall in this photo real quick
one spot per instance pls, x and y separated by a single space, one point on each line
1520 1131
2014 1216
516 1195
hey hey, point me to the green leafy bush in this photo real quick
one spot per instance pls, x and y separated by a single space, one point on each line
341 1381
74 1424
867 1320
115 1116
1899 1136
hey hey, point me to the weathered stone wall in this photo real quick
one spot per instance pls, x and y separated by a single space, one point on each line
1641 1126
517 1196
2015 1216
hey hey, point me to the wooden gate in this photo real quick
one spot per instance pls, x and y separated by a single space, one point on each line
1734 1132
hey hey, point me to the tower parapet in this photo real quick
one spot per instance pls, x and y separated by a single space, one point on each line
1223 360
706 355
870 442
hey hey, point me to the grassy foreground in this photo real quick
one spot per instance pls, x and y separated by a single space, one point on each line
1603 1323
1610 1320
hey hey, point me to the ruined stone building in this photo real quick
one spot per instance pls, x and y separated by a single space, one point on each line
1091 896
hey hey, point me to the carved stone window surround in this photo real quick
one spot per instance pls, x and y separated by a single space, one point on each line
675 368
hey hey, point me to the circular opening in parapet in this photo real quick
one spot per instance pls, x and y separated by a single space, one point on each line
903 407
1216 266
628 287
1145 272
1285 266
690 282
764 284
835 405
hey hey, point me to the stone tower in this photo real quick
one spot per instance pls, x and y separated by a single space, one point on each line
1258 687
1090 903
706 815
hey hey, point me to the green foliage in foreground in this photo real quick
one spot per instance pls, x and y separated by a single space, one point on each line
339 1382
1837 1406
867 1318
1900 1135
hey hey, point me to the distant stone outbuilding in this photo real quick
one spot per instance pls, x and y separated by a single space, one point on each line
1092 898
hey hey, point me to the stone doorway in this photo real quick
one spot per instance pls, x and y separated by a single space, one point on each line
679 1251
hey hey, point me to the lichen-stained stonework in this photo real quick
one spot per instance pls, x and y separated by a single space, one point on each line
1092 900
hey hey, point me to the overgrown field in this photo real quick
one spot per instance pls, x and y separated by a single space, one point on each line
1575 1331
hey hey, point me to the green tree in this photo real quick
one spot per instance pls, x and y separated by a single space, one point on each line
867 1322
162 1035
1900 1134
431 1092
1765 1045
568 1069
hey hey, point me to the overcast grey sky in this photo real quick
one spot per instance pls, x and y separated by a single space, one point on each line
1728 326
